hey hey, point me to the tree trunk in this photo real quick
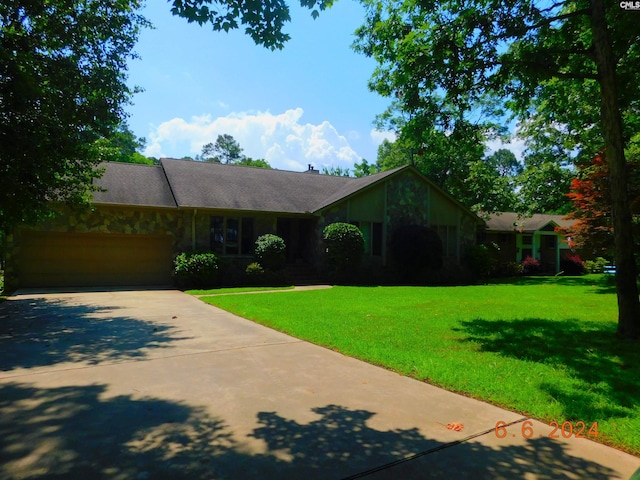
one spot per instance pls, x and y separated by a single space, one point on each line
611 118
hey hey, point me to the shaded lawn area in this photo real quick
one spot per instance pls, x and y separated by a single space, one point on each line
545 347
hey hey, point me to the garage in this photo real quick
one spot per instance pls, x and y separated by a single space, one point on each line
49 259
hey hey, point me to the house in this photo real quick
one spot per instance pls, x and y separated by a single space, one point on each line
534 236
144 215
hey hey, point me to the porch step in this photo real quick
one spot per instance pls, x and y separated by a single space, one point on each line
303 274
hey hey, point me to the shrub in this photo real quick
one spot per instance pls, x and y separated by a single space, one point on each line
596 266
572 265
254 270
530 265
270 252
193 269
344 245
482 260
513 268
415 249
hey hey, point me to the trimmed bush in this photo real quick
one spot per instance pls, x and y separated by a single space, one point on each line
415 250
193 269
482 260
254 270
530 265
513 269
344 245
270 252
596 265
572 265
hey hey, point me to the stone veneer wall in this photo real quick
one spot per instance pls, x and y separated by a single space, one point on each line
407 202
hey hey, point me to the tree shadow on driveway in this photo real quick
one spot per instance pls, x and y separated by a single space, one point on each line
76 432
37 332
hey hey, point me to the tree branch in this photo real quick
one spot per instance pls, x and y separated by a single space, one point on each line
564 16
545 68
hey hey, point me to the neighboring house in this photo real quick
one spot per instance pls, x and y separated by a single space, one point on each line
535 236
147 214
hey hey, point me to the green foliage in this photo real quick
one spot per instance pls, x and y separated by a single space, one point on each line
121 146
492 182
253 162
451 63
596 265
443 157
254 270
63 71
344 245
336 171
544 185
262 21
225 150
415 250
270 251
365 168
193 269
482 260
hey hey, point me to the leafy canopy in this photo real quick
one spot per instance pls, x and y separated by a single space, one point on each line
227 150
63 67
263 20
450 61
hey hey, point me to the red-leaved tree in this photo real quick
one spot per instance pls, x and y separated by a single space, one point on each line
590 194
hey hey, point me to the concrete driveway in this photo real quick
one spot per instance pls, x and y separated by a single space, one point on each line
156 384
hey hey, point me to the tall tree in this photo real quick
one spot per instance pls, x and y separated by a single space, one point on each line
543 186
226 149
63 67
492 182
121 146
441 59
443 157
365 168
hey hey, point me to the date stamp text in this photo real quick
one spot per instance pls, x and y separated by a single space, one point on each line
577 429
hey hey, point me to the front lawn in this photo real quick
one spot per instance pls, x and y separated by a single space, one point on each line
226 290
545 347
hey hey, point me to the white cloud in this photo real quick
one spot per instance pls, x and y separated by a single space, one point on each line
378 136
282 139
517 146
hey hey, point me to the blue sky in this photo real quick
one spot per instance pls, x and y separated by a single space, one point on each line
308 103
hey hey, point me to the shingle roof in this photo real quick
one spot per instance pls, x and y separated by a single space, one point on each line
190 184
210 185
509 222
133 184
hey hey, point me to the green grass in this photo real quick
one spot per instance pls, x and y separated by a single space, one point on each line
545 347
224 291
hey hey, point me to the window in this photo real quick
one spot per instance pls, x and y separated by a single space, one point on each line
504 238
231 235
550 241
527 239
